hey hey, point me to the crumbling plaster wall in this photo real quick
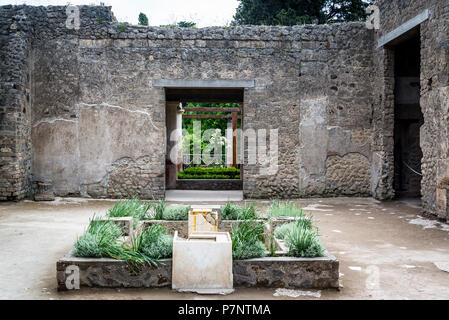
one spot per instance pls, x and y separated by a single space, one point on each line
98 123
434 34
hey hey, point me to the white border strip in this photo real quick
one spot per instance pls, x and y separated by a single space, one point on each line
403 28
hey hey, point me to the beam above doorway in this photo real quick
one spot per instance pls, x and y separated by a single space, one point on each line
402 29
181 83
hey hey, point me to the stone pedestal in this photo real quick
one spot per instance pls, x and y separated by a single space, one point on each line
44 192
203 263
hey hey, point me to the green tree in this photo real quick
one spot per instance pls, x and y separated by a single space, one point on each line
143 19
292 12
186 24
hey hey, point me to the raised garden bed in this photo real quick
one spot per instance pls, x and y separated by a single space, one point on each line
272 272
266 253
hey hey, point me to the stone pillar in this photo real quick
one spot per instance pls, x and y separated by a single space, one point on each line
173 156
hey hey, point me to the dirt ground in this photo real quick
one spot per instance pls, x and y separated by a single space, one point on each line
387 250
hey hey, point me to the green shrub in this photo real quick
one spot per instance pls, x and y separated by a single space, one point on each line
101 239
282 230
96 239
159 210
231 171
130 208
247 240
209 173
256 249
122 27
287 209
231 211
303 242
156 243
176 213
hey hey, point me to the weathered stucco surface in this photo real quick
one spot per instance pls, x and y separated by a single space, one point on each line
78 107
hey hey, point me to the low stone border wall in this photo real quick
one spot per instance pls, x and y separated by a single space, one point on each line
209 184
287 272
272 272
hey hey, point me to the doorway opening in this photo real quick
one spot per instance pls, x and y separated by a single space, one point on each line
408 117
208 123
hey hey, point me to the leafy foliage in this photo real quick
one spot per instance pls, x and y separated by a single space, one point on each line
304 242
155 242
130 208
287 209
206 124
293 12
247 240
186 24
176 213
231 211
201 171
97 238
304 223
143 19
209 173
122 27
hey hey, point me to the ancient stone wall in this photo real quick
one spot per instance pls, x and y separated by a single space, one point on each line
434 35
15 103
98 123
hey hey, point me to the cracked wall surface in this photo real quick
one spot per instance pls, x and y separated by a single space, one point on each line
98 125
78 106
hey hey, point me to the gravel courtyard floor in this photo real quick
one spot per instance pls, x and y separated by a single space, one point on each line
387 250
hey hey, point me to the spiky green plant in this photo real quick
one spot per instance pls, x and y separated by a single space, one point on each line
304 242
231 211
176 213
283 229
98 236
287 209
247 240
101 239
159 209
129 208
156 243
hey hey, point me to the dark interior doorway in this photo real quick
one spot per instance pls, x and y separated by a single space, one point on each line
408 117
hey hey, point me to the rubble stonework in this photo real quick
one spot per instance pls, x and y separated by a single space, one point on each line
434 35
78 106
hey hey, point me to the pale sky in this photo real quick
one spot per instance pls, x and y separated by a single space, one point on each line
159 12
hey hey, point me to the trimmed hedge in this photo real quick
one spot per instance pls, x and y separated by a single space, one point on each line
209 173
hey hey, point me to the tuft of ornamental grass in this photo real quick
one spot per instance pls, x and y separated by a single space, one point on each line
130 208
247 240
101 239
303 223
159 209
97 238
303 242
156 243
231 211
287 209
176 213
